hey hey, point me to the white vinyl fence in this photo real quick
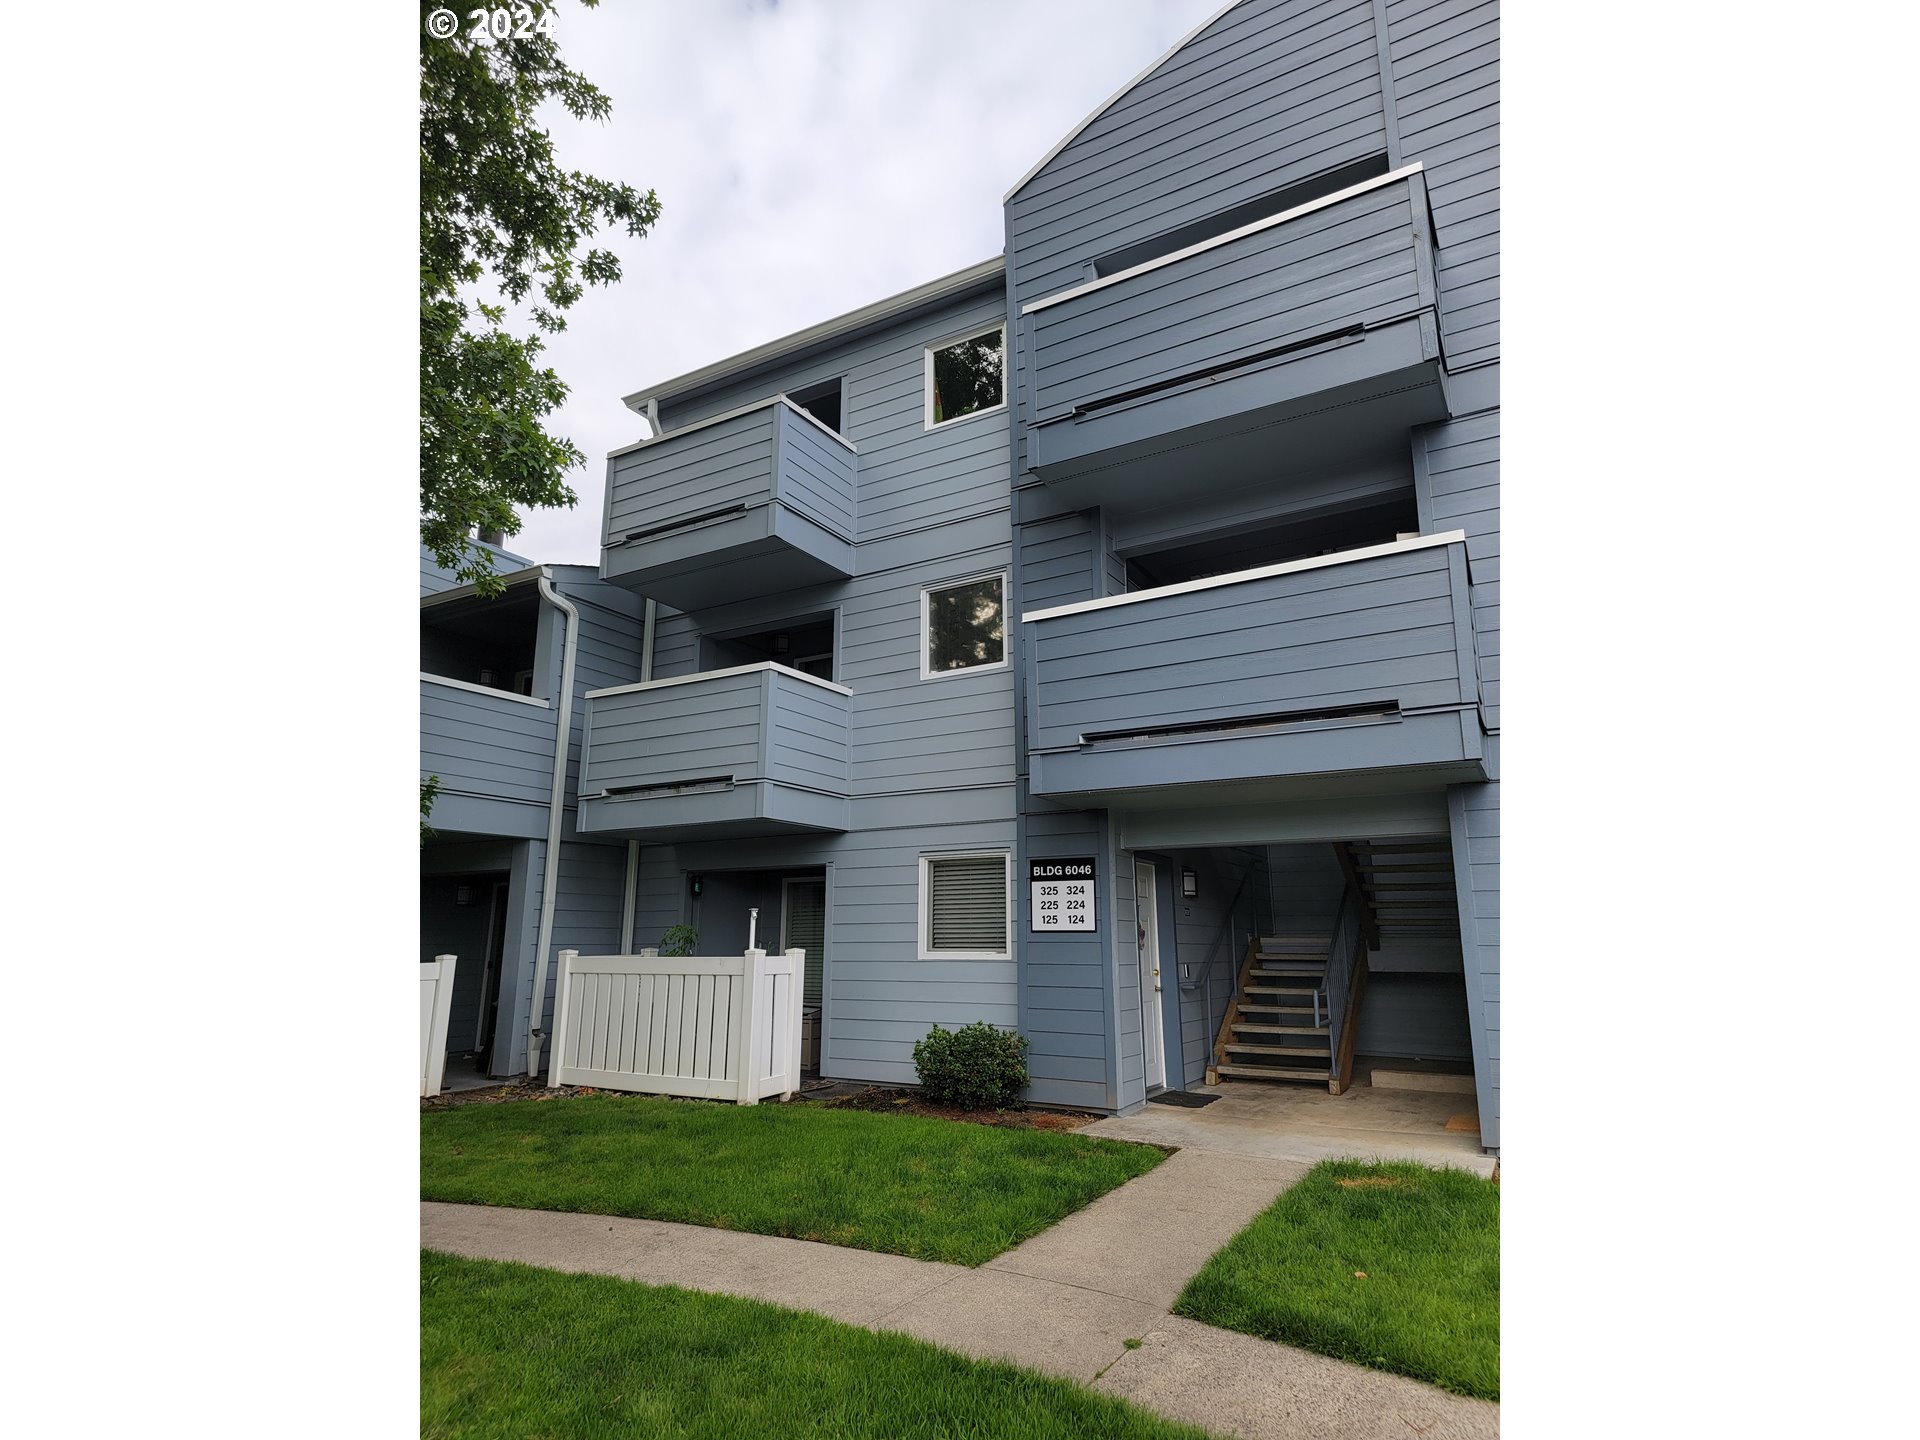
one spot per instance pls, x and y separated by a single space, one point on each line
721 1027
436 1003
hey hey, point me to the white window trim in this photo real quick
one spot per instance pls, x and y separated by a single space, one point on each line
927 672
926 379
925 932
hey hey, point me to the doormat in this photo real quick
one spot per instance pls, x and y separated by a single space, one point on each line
1185 1099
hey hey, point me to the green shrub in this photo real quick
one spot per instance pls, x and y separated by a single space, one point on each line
976 1067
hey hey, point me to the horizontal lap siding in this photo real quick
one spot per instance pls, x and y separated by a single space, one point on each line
586 917
879 997
1270 93
1064 1003
932 507
807 735
1305 884
1059 564
907 476
1462 463
433 579
675 478
1475 817
676 645
1378 629
817 474
677 733
1207 954
609 640
486 746
1350 264
1446 88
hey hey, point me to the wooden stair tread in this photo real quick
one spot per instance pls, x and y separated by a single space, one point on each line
1270 1072
1319 1030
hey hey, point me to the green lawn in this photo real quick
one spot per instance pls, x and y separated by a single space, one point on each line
932 1189
517 1353
1427 1243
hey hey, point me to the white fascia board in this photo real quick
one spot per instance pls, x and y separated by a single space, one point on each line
853 320
715 675
1241 577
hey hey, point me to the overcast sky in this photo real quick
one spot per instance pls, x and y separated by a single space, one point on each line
810 156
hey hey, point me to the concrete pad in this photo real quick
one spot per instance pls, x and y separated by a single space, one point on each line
1436 1080
856 1286
996 1315
1145 1240
1305 1124
1234 1384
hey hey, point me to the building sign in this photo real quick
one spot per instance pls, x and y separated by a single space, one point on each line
1062 894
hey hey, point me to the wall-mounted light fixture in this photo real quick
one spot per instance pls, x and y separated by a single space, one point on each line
463 895
782 643
486 677
1189 884
695 884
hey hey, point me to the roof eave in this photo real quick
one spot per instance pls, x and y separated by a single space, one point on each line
879 312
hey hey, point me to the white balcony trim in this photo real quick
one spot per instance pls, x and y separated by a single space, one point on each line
715 675
484 690
1198 247
734 414
1241 577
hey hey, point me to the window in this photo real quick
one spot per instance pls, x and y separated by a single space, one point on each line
963 906
966 377
963 626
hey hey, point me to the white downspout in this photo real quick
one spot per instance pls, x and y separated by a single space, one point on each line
556 813
633 846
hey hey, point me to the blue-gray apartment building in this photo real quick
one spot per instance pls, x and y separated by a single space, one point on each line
1101 641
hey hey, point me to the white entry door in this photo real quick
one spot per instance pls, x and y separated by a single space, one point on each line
1146 907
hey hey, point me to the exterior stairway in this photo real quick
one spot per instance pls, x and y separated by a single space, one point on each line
1408 885
1269 1031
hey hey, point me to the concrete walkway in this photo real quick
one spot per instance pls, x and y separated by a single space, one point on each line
1304 1124
1065 1302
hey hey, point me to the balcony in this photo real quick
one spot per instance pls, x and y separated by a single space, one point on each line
1280 682
1319 320
747 503
755 750
493 752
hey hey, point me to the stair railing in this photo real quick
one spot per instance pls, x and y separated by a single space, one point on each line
1330 999
1356 931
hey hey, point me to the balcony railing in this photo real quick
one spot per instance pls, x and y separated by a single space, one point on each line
493 752
1361 661
747 503
754 750
1331 303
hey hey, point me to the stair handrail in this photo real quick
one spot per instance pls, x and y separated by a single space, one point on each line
1331 997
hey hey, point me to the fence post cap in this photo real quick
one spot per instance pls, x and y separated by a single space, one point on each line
446 957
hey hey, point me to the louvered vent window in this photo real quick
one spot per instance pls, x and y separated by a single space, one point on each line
967 904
